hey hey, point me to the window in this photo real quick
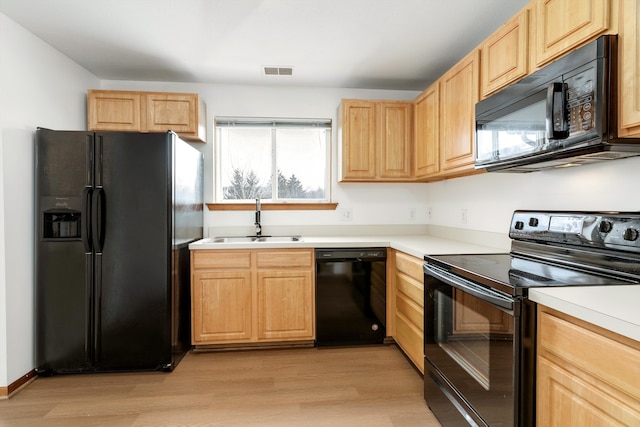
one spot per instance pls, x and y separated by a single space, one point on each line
279 160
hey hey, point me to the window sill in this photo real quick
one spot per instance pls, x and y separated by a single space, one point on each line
272 206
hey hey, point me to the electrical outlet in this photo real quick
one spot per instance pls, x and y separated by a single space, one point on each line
430 213
346 214
412 214
463 215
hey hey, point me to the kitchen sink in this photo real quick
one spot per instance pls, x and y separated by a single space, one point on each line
252 239
279 239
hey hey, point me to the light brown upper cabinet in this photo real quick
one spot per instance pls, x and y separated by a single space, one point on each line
541 32
427 132
459 93
396 130
629 69
358 139
109 110
183 113
376 139
504 55
562 25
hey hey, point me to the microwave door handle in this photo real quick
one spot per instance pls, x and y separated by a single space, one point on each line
557 121
464 286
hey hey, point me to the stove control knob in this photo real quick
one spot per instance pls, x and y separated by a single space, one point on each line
630 234
533 222
519 225
605 227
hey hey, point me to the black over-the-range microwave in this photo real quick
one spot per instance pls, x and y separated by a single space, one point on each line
562 115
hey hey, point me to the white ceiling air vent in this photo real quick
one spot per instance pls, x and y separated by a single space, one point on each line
278 71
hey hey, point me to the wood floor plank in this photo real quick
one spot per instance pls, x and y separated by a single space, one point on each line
310 387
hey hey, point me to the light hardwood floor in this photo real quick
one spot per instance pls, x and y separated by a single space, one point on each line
333 387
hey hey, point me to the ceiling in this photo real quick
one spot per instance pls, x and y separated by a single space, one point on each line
373 44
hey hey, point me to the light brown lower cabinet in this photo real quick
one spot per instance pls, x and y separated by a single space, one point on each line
409 306
586 375
252 296
221 306
285 305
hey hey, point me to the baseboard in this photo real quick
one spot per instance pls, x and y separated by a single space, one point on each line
14 387
252 346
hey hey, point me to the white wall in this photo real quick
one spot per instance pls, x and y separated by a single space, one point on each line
38 87
370 203
491 198
41 87
3 276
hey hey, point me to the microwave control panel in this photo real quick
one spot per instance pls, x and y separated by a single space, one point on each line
579 102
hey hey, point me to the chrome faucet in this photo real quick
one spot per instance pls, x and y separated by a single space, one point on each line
257 224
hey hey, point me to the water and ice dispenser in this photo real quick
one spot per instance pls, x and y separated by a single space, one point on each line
61 224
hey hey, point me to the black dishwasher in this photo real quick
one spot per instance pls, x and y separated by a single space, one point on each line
350 296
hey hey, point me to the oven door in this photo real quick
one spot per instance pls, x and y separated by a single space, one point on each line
470 351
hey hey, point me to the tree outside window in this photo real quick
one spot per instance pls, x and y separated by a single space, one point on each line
276 160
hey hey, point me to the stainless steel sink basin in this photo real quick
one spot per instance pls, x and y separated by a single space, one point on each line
236 239
279 239
252 239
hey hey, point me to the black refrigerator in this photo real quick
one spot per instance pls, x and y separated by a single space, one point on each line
115 213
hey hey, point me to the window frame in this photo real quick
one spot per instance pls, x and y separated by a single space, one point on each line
273 124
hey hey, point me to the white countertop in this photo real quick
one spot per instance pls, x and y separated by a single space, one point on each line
611 307
417 246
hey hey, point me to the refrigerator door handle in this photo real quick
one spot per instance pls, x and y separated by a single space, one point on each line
98 218
89 318
97 308
86 219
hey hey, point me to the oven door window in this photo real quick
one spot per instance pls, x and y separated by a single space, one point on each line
471 343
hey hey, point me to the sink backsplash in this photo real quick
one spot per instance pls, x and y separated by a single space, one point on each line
487 238
319 230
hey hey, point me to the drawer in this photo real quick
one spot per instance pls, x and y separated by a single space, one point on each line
410 310
410 265
411 288
220 259
410 340
284 258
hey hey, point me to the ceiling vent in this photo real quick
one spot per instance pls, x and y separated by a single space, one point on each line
278 71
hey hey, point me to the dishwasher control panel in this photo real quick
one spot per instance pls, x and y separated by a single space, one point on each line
351 253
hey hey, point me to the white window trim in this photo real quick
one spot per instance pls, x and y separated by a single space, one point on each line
280 122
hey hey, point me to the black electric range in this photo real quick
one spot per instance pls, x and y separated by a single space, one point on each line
479 325
515 275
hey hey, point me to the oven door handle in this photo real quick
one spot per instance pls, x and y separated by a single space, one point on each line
469 287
